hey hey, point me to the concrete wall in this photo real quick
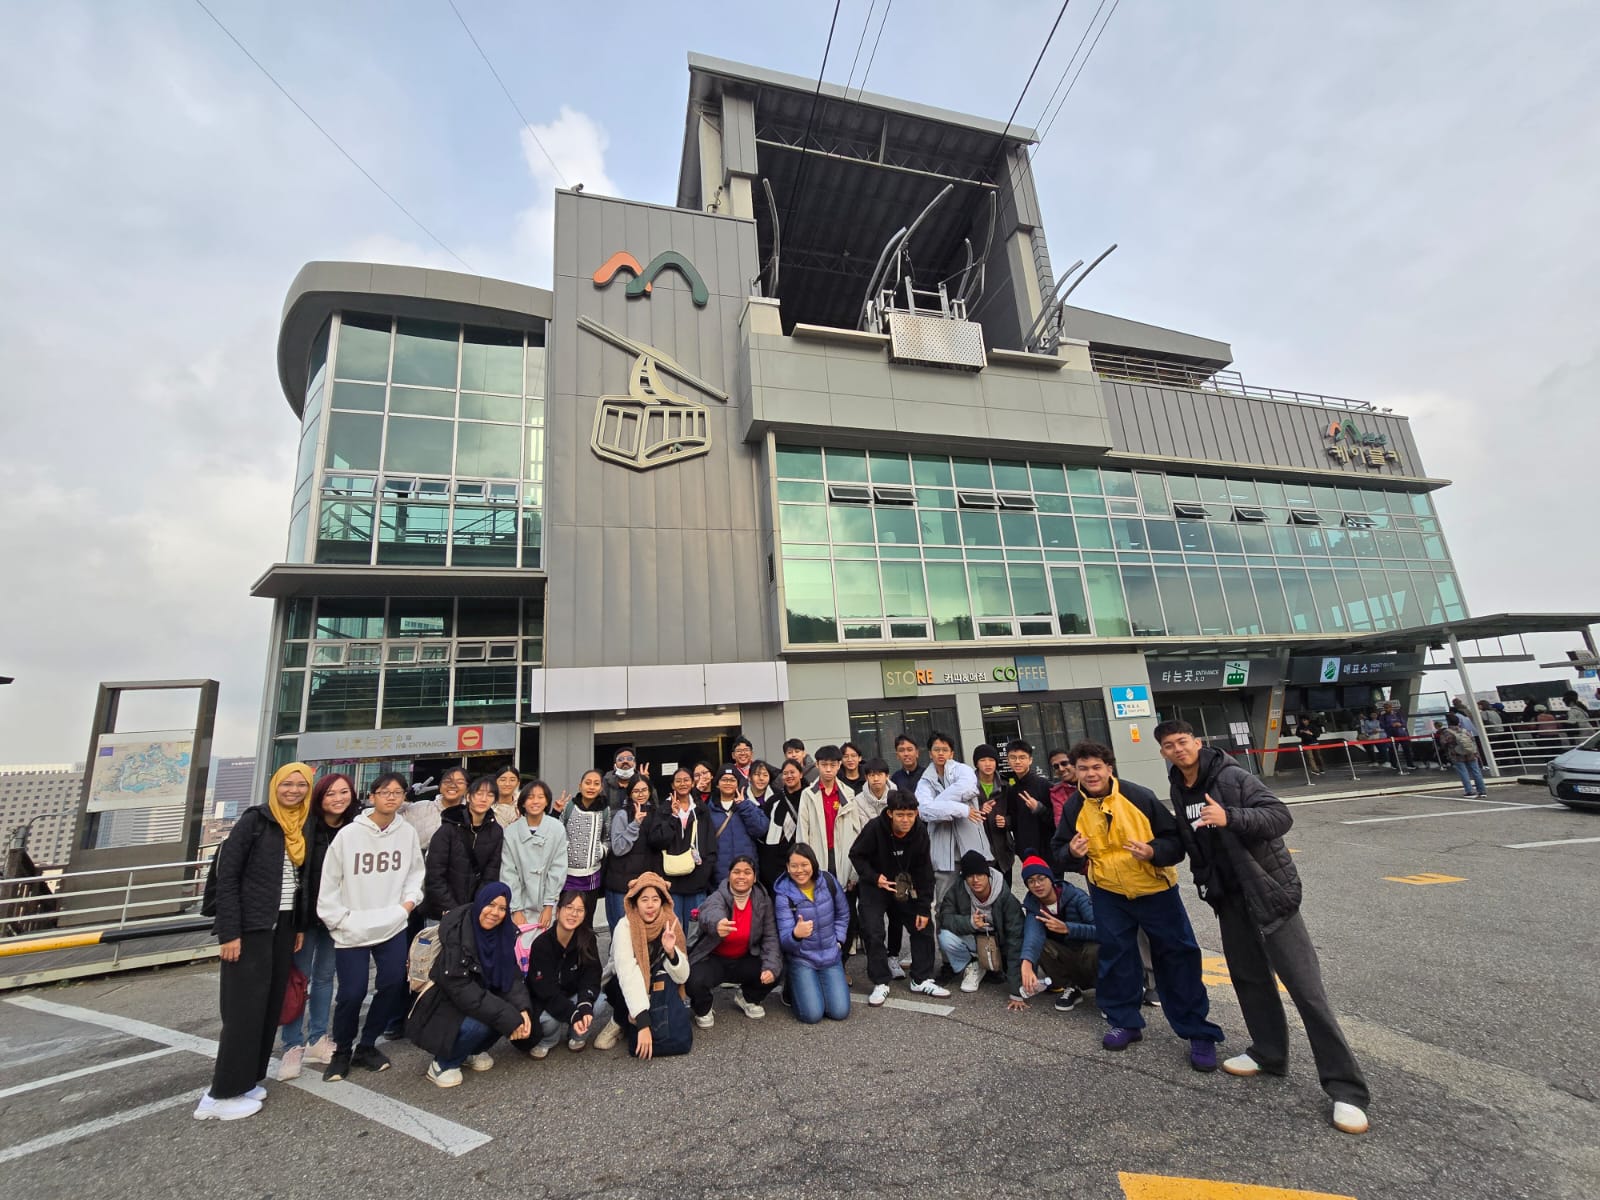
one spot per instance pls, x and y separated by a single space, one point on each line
818 710
846 391
1167 422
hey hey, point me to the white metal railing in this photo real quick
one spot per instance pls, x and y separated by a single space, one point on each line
1525 748
110 898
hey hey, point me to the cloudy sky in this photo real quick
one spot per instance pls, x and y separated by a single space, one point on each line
1392 202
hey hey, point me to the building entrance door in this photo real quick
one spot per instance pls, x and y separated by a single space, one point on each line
665 751
1001 726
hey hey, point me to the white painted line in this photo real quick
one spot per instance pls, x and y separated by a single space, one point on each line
89 1128
455 1140
920 1006
1512 846
82 1071
394 1114
1454 812
159 1034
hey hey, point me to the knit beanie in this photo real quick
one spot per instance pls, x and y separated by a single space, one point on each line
1034 865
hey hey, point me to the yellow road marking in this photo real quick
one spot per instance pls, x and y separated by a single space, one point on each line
1292 850
1168 1187
1214 971
1423 878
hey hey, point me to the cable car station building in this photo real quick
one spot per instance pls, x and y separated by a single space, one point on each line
819 451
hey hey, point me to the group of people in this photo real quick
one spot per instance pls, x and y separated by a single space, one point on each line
761 876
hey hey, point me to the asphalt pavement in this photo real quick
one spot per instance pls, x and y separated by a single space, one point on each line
1461 959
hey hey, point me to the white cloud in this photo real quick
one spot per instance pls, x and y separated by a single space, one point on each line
578 145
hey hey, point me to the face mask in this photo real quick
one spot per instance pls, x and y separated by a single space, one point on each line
624 772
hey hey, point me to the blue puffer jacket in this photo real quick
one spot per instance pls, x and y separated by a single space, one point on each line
1074 908
739 831
828 914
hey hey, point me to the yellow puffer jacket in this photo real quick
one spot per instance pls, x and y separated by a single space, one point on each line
1108 823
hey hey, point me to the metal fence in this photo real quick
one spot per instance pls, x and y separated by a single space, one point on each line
115 899
1132 369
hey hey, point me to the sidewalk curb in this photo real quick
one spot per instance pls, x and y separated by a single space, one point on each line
1398 790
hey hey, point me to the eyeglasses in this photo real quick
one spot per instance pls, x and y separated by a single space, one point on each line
1060 766
390 792
624 761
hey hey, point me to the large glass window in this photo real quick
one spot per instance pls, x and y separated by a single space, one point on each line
413 533
1172 584
344 532
363 348
425 352
1105 597
342 700
353 442
1072 605
414 696
486 694
808 597
947 598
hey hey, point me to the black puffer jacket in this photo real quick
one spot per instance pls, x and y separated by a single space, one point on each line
624 866
459 990
664 832
319 836
562 981
461 858
249 869
1252 839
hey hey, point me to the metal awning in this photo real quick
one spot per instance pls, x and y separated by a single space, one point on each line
284 580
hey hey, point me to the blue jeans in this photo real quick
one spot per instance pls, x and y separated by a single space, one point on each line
818 993
1470 773
389 990
473 1037
614 909
958 950
683 906
552 1030
315 960
1174 953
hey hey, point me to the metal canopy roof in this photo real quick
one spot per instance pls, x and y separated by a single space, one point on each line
867 167
1468 629
284 580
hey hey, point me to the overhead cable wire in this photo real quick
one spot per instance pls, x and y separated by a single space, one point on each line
332 141
865 25
805 138
1066 70
999 149
871 58
1081 66
526 124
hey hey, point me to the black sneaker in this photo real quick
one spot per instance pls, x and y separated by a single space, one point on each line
1068 1000
1151 999
371 1058
338 1067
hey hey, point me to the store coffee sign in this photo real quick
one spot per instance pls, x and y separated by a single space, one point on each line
906 676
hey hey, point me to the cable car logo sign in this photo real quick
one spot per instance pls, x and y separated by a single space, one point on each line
643 279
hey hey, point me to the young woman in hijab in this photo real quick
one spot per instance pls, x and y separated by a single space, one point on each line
681 830
258 871
476 993
647 947
813 919
631 856
506 785
783 820
564 982
466 851
305 1039
588 822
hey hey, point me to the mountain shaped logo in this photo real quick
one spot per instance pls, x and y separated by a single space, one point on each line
643 278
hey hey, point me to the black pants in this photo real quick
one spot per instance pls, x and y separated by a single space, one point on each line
1070 961
1252 960
878 907
713 971
252 1000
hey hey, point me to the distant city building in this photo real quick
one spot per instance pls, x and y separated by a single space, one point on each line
45 795
231 793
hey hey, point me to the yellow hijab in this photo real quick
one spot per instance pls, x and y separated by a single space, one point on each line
291 821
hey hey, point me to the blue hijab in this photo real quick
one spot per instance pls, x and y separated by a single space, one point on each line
497 947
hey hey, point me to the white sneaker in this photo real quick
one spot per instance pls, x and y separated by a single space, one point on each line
538 1050
609 1036
289 1064
879 995
927 987
1347 1118
257 1093
320 1051
896 971
479 1062
236 1108
972 977
750 1009
707 1021
443 1078
577 1044
1242 1065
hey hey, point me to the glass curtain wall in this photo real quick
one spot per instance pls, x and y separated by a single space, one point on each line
432 446
884 545
401 663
